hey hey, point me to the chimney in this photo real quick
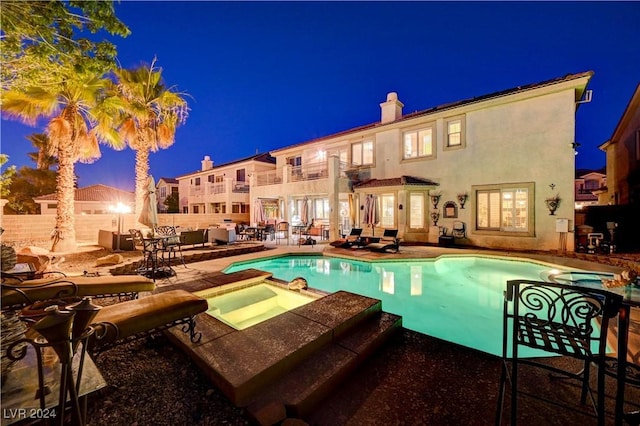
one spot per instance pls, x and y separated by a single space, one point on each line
391 109
207 164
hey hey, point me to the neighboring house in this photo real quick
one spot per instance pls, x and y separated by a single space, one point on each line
504 154
589 184
222 189
164 188
94 199
623 156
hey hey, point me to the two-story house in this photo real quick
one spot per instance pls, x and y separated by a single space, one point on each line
222 189
493 161
165 188
623 156
588 185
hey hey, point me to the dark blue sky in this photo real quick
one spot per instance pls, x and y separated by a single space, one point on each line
264 75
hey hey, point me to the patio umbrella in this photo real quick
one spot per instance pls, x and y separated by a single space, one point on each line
352 210
149 214
371 216
304 215
258 212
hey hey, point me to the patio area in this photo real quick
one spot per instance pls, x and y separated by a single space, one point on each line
413 379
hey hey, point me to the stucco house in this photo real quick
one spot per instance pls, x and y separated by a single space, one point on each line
94 199
164 188
588 185
623 156
222 189
493 161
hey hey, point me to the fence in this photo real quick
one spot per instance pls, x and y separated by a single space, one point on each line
39 227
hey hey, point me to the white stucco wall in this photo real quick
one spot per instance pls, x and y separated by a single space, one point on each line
524 141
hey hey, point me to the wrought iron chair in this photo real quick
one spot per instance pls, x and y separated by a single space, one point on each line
282 232
171 245
560 319
149 249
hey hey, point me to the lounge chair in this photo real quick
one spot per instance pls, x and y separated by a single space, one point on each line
351 239
126 321
22 293
389 241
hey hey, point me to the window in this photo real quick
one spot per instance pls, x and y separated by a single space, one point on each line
219 207
505 208
240 175
211 178
294 161
416 210
387 211
163 192
418 143
321 208
455 137
240 208
362 153
197 181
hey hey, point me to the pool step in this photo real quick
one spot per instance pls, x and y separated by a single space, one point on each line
245 363
302 388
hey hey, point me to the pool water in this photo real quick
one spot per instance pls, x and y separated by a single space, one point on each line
248 306
457 299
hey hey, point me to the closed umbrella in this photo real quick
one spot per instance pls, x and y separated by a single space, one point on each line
149 214
304 215
371 216
352 210
258 212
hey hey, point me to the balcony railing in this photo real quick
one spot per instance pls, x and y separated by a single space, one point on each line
240 186
269 178
309 172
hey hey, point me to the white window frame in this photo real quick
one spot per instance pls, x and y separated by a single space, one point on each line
503 226
413 206
387 206
416 150
462 133
361 160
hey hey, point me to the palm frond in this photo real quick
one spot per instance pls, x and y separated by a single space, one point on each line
58 129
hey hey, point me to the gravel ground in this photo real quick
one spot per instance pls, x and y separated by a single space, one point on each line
153 383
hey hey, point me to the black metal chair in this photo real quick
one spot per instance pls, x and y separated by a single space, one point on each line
171 243
150 250
561 319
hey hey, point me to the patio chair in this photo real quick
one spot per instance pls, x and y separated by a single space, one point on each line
349 241
389 241
458 230
558 319
282 232
171 245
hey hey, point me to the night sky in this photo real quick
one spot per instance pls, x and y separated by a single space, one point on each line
263 75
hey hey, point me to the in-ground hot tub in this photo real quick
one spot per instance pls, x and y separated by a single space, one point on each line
247 306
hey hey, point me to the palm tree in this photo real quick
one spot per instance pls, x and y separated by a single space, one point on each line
152 112
41 157
80 109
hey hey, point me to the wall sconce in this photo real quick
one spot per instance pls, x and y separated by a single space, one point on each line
362 207
400 207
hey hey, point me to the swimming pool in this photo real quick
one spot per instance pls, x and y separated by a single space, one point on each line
458 299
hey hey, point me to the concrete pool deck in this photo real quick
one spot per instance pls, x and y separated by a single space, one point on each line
416 379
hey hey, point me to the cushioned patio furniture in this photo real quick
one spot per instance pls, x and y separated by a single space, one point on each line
22 293
126 321
350 240
389 241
